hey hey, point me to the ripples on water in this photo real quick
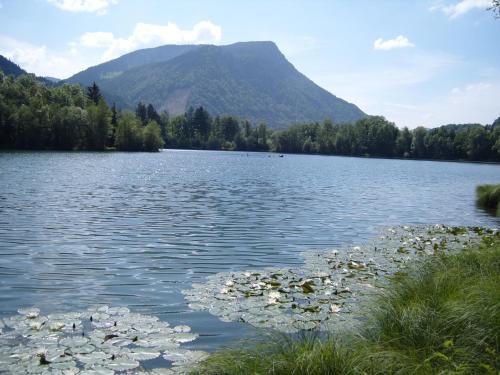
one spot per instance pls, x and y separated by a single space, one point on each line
135 228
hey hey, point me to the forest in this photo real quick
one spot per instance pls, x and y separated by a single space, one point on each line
34 116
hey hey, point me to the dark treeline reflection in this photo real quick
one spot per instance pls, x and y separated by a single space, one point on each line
68 117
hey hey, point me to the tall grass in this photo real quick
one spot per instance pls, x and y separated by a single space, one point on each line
442 317
488 197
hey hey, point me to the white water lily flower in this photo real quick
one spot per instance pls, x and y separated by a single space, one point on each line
334 308
229 283
274 294
56 326
272 301
29 313
224 291
37 325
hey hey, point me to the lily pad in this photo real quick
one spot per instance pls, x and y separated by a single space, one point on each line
329 286
101 340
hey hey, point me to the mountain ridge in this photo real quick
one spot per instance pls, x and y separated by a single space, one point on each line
10 68
251 80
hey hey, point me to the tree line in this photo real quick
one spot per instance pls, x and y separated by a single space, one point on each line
69 117
375 136
34 116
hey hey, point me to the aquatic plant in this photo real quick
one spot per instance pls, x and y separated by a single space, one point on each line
327 290
488 197
101 340
441 316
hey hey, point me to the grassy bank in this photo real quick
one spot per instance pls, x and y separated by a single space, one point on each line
488 197
441 317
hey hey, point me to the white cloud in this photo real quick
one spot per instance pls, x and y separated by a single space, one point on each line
149 35
39 59
99 7
462 7
472 103
398 42
475 102
473 87
96 47
392 89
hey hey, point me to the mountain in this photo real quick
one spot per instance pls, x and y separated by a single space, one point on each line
10 68
52 79
116 67
251 80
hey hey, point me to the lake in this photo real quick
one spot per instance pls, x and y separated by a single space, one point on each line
134 229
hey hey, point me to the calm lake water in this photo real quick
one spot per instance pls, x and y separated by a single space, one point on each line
135 229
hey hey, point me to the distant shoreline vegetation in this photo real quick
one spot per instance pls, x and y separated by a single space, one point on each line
34 116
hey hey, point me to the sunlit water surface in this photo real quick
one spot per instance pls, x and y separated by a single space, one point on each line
134 229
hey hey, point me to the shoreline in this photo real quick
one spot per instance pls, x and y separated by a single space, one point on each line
488 162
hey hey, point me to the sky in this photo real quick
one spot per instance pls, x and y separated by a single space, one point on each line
416 62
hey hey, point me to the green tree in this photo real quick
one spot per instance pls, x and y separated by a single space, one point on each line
99 125
129 133
201 123
152 137
418 148
69 123
403 143
495 8
142 113
479 144
151 114
94 93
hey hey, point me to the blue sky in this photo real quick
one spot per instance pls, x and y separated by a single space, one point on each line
427 62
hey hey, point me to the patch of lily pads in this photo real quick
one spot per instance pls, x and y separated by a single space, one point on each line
326 292
102 340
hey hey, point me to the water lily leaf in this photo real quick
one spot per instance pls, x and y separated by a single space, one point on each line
184 337
180 356
182 329
73 342
307 288
122 364
143 354
66 365
97 370
84 349
119 341
93 357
